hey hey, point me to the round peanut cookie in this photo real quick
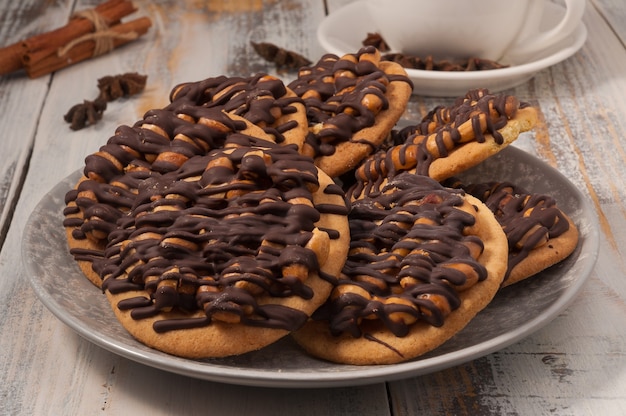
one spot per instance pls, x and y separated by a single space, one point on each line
538 232
352 103
423 261
450 140
228 253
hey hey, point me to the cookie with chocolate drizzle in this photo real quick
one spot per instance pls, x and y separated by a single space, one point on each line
450 140
352 103
423 261
227 253
538 232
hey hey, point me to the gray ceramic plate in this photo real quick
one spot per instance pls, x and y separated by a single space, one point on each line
515 313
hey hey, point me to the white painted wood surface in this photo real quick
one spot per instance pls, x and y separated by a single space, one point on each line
574 366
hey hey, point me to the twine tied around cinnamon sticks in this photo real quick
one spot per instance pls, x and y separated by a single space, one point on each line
89 33
102 36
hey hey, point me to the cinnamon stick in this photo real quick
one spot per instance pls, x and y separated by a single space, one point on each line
11 58
51 62
35 54
112 11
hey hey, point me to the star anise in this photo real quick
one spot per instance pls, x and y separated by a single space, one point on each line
111 88
283 58
118 86
85 114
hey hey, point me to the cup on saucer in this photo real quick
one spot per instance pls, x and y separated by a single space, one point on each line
463 29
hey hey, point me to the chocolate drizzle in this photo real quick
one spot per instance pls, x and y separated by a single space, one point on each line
528 220
440 132
407 243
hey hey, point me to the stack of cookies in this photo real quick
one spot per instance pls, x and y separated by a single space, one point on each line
247 210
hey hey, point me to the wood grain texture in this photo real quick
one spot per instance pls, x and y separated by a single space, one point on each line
45 367
576 365
613 12
20 100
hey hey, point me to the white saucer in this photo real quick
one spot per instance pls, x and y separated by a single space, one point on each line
343 31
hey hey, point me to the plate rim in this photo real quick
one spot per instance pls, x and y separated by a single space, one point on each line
358 375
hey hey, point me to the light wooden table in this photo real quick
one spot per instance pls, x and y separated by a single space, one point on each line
576 365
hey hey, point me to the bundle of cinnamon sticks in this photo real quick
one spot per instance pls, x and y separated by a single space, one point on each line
87 34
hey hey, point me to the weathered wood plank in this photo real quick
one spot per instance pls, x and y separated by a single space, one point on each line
46 368
614 12
20 99
576 364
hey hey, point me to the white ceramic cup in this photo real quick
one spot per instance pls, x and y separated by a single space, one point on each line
461 29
